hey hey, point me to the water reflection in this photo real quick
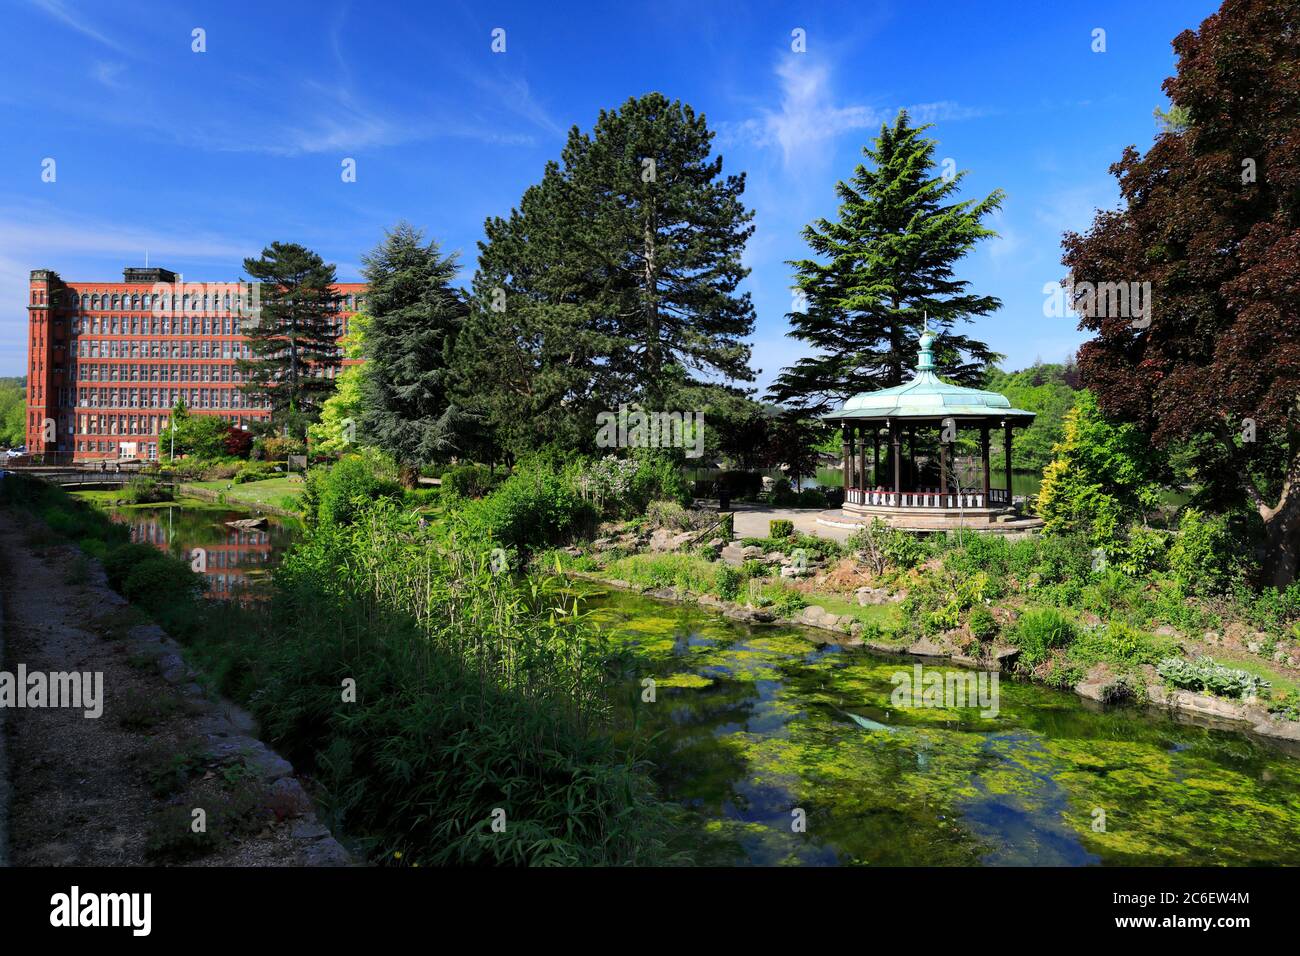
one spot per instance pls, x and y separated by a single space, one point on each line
234 561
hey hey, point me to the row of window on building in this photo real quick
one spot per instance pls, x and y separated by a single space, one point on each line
100 424
198 398
170 303
154 348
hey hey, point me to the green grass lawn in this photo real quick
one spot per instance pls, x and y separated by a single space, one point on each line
272 492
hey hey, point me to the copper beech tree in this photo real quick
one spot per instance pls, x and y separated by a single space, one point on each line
1211 219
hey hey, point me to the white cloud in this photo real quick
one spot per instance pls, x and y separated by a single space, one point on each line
809 118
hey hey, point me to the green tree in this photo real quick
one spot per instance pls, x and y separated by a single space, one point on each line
879 270
335 432
1046 391
294 337
203 436
13 411
414 316
1104 476
614 280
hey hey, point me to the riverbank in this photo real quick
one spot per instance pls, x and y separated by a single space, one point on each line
277 496
1097 686
130 786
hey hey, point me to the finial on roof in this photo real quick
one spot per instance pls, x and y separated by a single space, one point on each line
924 360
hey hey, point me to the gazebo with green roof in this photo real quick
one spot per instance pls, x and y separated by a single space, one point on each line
907 495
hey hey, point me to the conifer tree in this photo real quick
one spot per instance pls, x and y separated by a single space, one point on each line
615 280
293 338
879 270
413 317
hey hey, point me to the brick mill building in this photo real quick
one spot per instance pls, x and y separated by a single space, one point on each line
107 361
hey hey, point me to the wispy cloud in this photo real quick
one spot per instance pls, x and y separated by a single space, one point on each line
809 117
35 236
64 14
108 74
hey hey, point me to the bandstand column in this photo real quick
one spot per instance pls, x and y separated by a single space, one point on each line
1007 443
984 453
895 444
875 455
848 462
862 456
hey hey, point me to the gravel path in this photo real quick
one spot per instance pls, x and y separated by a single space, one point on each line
121 789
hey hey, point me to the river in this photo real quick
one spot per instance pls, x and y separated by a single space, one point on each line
786 749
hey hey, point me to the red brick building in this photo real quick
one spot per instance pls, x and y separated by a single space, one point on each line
107 361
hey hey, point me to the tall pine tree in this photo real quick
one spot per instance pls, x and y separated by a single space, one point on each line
293 339
885 264
616 277
414 316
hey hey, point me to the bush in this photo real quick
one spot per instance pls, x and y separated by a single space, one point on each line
742 484
783 493
780 528
983 625
160 582
531 510
1040 631
1207 556
251 471
468 481
728 581
812 498
335 495
120 560
145 490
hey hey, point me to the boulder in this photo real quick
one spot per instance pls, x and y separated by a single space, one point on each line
926 648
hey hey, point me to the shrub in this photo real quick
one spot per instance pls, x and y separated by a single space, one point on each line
742 484
783 494
120 560
728 581
468 481
532 509
1040 631
983 625
145 490
251 471
1208 555
160 583
780 528
335 495
812 498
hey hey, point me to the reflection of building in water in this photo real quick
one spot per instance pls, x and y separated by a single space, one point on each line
228 559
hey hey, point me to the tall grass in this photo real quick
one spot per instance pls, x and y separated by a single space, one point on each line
478 733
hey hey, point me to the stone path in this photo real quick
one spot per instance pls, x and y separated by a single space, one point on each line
752 521
112 790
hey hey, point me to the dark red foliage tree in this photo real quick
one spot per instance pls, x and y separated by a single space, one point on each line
1211 219
237 442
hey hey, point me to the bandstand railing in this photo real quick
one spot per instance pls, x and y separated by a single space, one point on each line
944 501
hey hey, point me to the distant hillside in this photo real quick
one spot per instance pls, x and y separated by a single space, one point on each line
1049 390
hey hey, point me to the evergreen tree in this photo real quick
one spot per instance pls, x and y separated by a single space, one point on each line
615 279
881 268
294 337
414 316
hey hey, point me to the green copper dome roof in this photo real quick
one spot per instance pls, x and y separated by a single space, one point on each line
929 396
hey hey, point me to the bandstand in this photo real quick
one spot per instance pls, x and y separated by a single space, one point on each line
913 427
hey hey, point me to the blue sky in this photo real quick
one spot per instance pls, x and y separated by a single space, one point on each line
203 158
